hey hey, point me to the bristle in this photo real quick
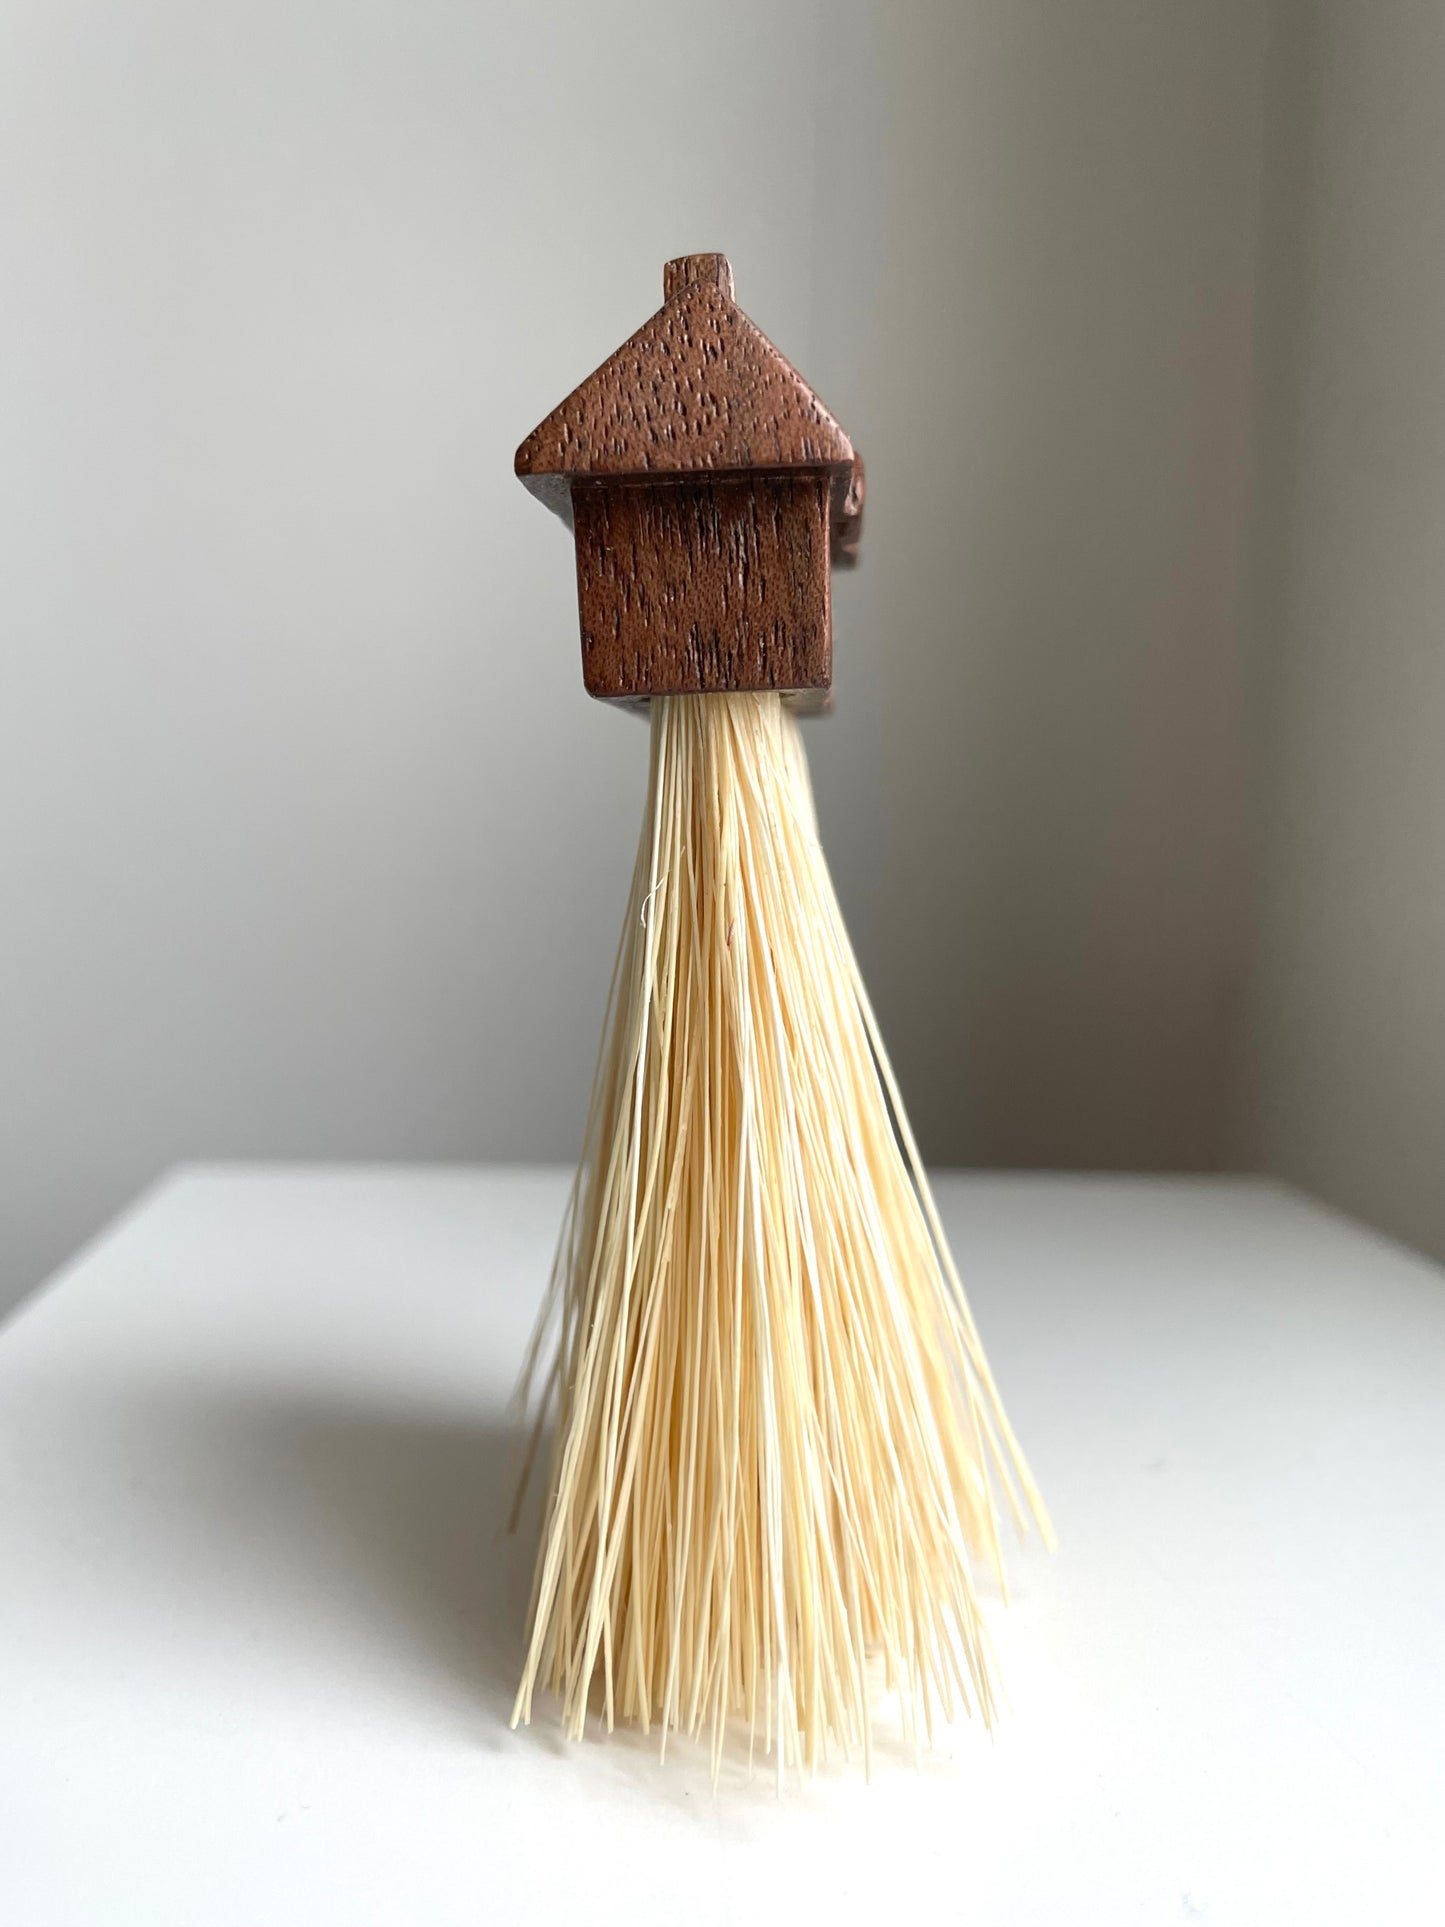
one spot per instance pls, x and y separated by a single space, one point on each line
777 1438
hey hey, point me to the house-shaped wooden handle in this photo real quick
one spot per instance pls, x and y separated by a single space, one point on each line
708 489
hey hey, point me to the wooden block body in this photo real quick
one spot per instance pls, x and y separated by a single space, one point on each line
699 587
708 489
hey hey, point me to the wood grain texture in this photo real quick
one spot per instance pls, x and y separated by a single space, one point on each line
698 387
713 269
709 490
700 588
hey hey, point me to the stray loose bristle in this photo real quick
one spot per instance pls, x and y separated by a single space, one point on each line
778 1441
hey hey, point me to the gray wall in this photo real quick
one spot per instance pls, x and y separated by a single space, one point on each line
310 843
1345 1070
1051 379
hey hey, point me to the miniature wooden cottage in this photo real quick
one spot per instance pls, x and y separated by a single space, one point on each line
708 489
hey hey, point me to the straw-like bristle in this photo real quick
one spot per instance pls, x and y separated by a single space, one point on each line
777 1440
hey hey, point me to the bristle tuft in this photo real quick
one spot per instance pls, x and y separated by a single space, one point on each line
777 1442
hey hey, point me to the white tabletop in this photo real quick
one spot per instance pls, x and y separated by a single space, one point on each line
259 1634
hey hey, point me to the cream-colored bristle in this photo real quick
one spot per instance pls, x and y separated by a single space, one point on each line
777 1440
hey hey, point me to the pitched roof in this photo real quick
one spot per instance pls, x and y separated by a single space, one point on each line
699 387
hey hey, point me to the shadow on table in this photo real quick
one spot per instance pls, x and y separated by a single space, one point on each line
335 1532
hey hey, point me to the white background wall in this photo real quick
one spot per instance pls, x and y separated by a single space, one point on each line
310 844
1345 1084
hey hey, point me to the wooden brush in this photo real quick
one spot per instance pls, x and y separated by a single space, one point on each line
779 1452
